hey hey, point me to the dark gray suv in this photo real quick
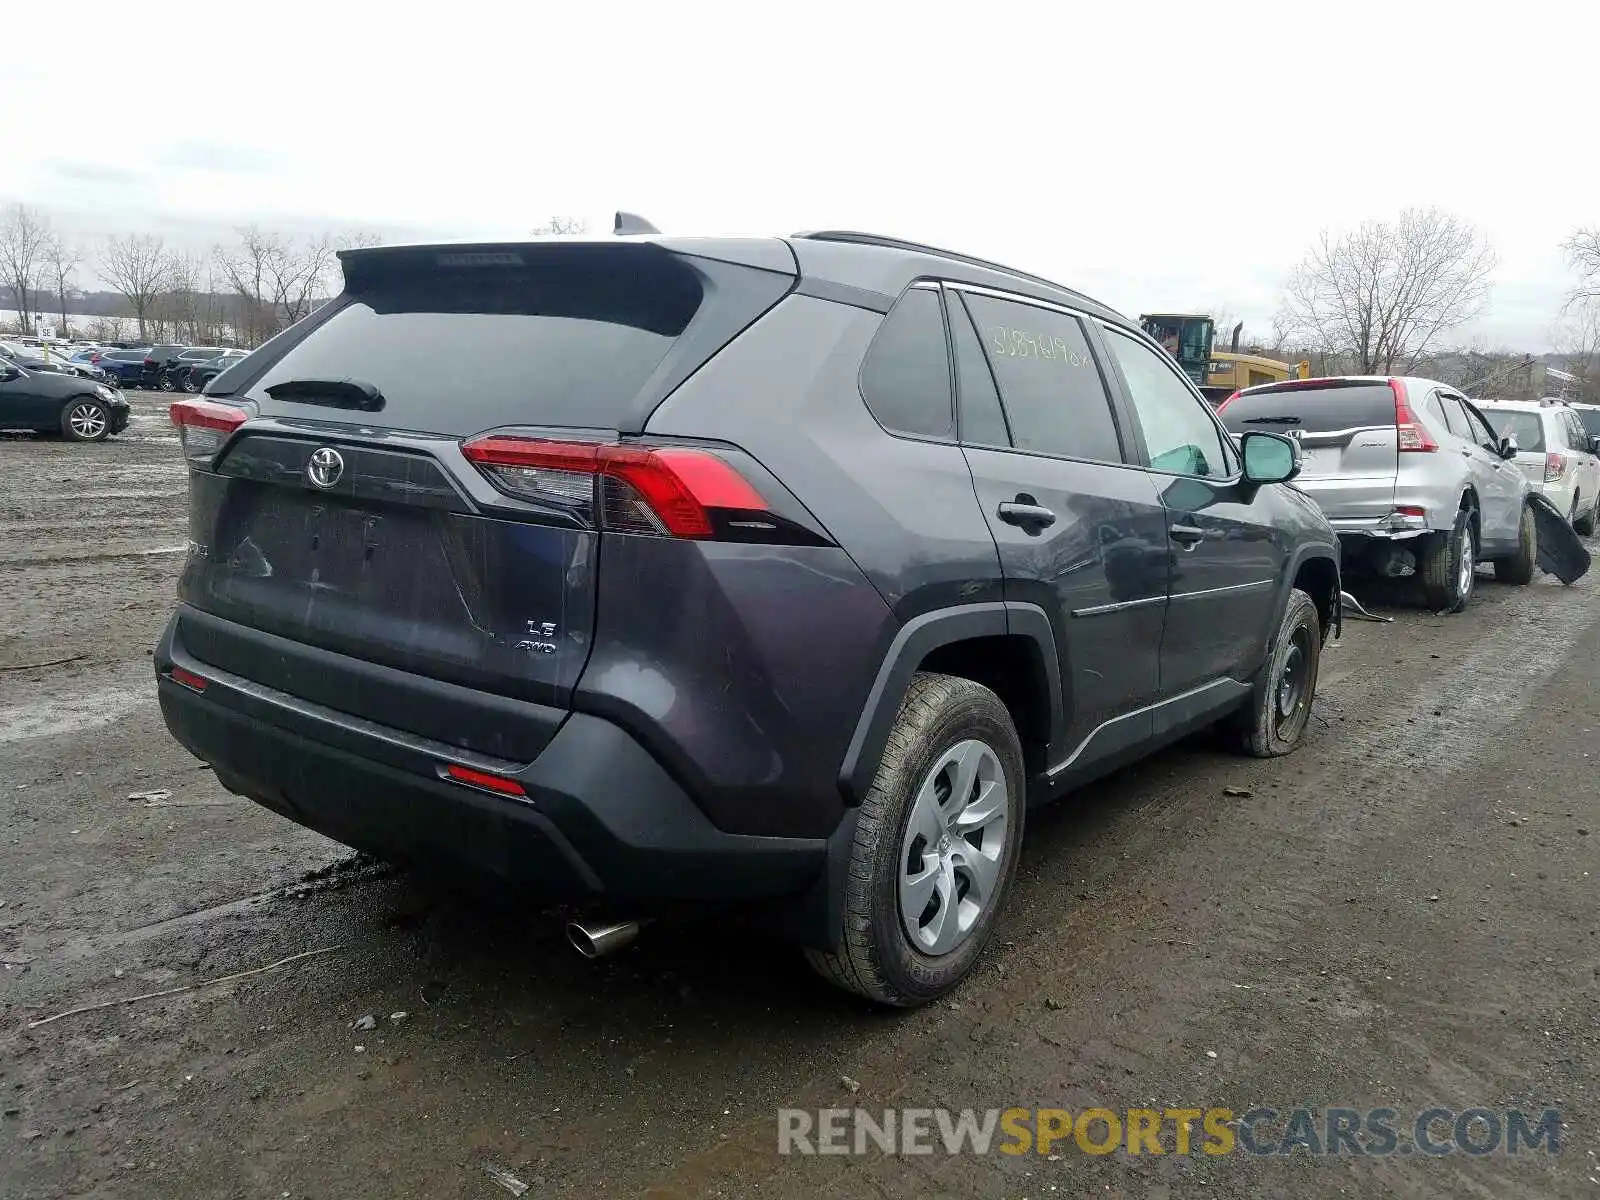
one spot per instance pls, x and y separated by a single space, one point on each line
781 574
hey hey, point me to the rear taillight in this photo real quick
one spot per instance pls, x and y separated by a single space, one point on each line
149 362
203 426
1410 434
669 491
1555 467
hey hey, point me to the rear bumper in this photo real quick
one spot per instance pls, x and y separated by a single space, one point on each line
602 819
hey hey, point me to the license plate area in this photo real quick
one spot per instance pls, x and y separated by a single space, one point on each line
345 549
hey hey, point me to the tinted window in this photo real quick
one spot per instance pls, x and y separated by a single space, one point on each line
1314 410
1456 418
1178 430
1049 384
978 403
1478 428
570 340
1576 438
1526 427
1589 418
906 376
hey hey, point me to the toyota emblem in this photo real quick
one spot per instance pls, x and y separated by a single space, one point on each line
325 467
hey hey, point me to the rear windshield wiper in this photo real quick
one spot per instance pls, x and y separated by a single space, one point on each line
1270 421
335 393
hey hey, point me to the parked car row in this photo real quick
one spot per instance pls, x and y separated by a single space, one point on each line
166 368
38 359
44 390
1421 482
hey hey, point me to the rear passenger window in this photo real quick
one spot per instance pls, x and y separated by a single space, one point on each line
1049 384
1455 418
980 419
906 376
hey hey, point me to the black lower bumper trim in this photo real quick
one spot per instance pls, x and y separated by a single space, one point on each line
602 818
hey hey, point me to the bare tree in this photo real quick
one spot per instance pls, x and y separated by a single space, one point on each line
136 267
249 267
1583 252
1382 294
358 239
61 260
277 280
561 227
24 238
300 277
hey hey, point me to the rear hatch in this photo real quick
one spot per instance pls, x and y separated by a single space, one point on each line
359 556
1347 432
1528 429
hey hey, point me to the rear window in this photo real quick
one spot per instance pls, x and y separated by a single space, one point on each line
1526 427
568 340
1313 410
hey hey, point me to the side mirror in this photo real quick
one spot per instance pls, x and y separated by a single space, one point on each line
1594 444
1508 447
1268 458
8 372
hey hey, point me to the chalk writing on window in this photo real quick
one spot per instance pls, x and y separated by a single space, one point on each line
1019 343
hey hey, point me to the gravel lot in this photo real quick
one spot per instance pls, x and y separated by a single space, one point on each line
1401 914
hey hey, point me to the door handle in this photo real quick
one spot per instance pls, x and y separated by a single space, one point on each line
1035 516
1188 535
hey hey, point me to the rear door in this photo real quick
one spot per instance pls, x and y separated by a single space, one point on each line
1081 532
1347 435
1227 554
348 517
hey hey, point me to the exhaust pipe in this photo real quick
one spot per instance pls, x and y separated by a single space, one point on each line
597 941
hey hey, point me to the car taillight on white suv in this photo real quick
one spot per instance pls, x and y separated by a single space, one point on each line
1555 467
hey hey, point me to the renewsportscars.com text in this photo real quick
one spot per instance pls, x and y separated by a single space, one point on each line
1376 1132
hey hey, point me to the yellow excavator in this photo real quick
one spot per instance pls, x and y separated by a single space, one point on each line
1189 338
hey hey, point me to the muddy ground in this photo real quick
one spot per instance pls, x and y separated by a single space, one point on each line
1402 914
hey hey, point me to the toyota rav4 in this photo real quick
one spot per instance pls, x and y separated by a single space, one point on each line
781 574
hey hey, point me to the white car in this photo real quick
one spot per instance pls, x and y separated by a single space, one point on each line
1555 452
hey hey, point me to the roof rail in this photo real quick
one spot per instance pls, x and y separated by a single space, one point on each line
873 239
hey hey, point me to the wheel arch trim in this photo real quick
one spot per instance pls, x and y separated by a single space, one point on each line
912 643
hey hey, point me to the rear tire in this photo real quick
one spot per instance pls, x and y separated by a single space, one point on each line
1519 568
1274 722
953 750
1447 583
1584 525
85 420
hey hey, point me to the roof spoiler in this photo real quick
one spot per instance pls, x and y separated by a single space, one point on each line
631 223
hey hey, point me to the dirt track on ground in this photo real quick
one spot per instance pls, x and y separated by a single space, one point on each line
1402 914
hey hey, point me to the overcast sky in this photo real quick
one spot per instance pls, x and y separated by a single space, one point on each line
1157 155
